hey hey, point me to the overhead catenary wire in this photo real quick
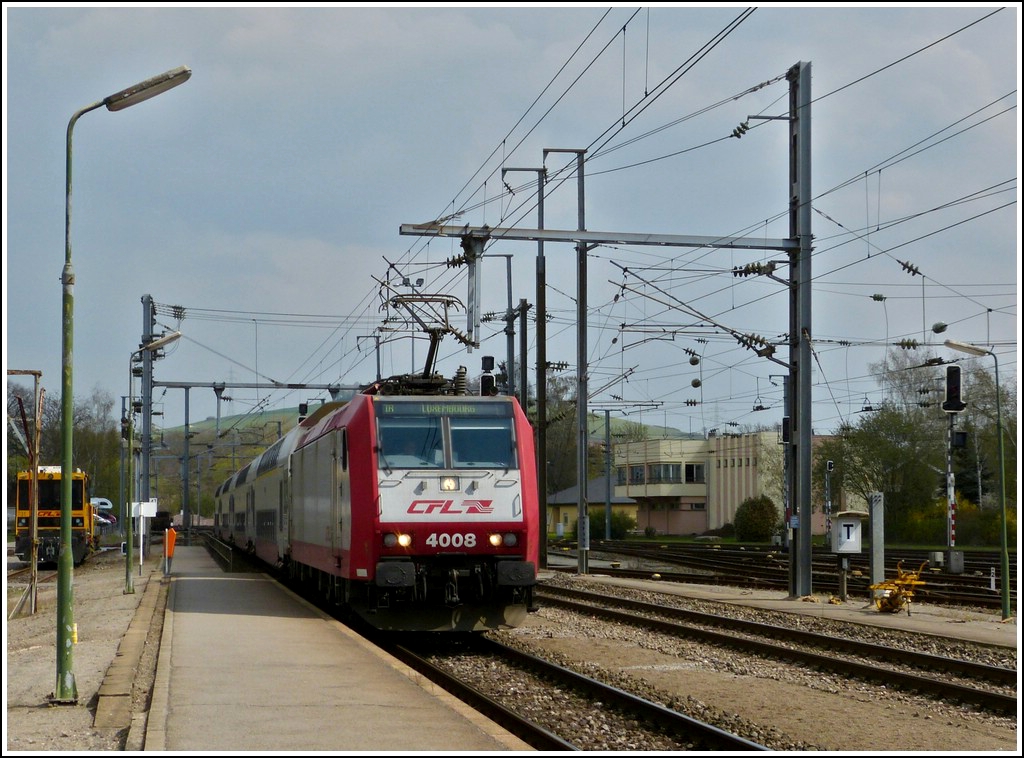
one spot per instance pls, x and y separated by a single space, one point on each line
608 149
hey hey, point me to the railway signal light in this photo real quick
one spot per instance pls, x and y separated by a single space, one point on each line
953 402
488 382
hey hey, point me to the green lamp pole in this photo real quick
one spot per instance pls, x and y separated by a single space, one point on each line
129 586
1004 558
66 691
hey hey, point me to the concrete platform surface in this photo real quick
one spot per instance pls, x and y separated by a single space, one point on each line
246 665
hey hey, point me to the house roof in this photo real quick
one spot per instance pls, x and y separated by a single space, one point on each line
597 489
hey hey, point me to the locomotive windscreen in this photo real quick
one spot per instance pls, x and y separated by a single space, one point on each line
410 442
432 434
50 494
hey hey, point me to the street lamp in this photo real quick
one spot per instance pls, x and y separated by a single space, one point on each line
1004 559
66 690
129 587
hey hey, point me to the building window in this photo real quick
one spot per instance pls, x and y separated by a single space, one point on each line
664 473
636 474
695 473
698 506
620 475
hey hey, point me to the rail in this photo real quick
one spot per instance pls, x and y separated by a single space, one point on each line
221 550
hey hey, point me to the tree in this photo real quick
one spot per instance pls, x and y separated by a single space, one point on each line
979 461
901 448
96 438
561 434
757 519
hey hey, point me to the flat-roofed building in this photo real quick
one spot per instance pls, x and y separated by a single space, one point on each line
691 486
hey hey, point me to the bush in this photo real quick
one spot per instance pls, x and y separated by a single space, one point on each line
757 519
621 525
727 531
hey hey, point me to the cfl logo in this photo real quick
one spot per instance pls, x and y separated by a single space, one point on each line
449 507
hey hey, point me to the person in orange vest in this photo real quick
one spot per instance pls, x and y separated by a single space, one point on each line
169 537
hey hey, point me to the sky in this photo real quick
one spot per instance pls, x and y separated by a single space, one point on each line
260 203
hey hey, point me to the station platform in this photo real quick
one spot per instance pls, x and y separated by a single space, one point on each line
246 665
984 627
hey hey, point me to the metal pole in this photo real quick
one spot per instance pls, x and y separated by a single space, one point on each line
950 487
66 690
582 437
187 515
143 485
1004 559
542 377
524 390
34 526
828 506
787 474
800 332
541 370
148 336
32 451
607 475
121 469
129 587
510 333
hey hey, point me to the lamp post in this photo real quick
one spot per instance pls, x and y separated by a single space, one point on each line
129 587
66 691
1004 559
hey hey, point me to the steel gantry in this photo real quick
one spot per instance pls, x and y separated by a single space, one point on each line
797 246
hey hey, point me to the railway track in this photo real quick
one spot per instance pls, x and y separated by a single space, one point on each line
865 661
765 568
640 722
20 575
558 718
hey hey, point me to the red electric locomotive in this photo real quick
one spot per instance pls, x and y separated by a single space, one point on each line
418 512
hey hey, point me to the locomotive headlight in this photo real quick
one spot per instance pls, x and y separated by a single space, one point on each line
401 540
509 539
449 483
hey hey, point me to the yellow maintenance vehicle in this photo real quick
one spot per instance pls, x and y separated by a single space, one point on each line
892 594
